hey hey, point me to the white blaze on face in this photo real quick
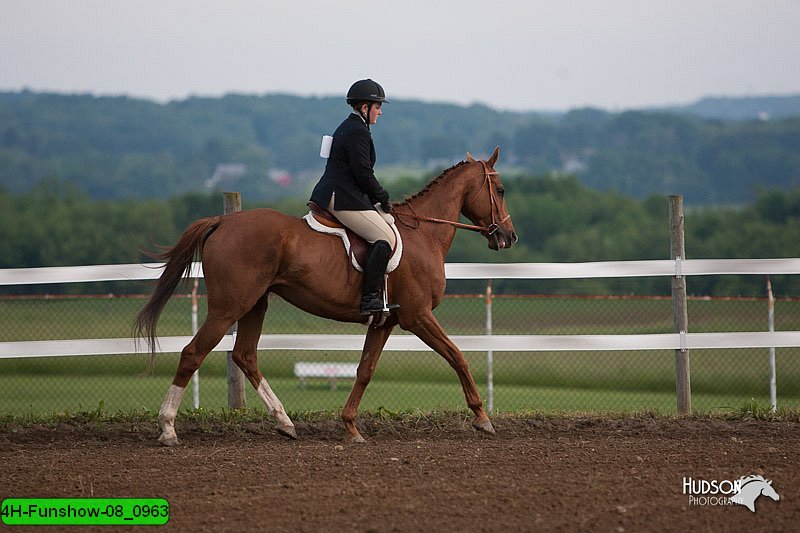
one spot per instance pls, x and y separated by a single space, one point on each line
274 405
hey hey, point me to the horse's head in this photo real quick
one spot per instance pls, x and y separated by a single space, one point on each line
485 204
750 488
768 491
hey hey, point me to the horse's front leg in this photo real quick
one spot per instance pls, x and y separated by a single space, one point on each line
427 328
373 346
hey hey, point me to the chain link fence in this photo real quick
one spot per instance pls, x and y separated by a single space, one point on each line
622 381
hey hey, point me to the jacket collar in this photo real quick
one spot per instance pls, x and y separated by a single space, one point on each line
359 117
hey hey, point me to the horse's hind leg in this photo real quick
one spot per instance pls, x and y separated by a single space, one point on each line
245 355
206 338
428 329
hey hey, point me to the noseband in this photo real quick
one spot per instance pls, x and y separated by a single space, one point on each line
491 228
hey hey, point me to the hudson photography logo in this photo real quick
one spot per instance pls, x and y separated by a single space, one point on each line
743 491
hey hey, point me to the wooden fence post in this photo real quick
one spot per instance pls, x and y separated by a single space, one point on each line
236 397
683 388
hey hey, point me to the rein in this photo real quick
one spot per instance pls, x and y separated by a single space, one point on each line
490 229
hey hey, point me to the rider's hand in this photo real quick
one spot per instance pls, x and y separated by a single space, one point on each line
386 206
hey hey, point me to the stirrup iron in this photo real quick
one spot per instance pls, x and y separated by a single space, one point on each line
387 307
377 317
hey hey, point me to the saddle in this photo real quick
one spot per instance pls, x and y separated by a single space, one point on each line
355 246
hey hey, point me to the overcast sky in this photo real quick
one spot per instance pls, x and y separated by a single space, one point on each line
519 55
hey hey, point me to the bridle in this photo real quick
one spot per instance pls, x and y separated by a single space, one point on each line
490 229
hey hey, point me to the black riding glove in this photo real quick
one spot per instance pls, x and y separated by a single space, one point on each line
386 206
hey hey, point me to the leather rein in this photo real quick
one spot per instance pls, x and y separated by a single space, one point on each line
490 229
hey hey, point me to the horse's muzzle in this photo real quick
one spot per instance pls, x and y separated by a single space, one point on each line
500 239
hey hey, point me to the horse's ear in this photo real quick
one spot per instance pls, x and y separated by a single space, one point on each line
493 159
470 158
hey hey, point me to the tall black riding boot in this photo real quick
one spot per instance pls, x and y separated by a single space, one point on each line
374 271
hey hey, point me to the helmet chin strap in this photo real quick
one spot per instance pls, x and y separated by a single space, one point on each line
369 111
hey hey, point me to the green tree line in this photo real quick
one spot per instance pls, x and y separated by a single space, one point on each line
119 147
558 220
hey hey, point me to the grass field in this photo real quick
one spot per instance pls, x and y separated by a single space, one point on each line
559 381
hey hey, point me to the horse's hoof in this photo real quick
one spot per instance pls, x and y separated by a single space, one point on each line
287 431
355 439
485 426
171 440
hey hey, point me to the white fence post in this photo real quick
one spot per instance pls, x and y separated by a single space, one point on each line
773 390
489 353
196 375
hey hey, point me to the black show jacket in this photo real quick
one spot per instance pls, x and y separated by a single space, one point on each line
349 171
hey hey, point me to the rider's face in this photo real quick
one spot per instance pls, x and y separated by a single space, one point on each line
374 112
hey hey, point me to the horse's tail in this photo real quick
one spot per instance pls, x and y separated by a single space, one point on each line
179 263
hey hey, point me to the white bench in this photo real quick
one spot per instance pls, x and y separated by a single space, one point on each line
331 371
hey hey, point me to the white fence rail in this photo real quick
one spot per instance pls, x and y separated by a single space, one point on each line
410 343
483 343
604 269
608 269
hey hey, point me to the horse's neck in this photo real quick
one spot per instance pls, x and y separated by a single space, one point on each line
751 490
444 201
754 487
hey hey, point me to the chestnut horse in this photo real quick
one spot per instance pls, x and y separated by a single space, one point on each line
249 254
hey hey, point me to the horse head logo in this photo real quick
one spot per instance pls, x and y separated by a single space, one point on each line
751 487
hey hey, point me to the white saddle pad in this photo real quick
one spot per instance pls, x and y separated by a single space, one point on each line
393 261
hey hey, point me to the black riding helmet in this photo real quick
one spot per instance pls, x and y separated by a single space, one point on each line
366 91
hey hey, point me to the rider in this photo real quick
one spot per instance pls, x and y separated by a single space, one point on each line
350 191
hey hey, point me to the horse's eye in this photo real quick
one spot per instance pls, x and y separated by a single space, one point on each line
501 191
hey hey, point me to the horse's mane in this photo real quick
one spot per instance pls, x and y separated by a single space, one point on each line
748 479
432 183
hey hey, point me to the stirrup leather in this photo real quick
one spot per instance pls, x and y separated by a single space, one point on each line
381 299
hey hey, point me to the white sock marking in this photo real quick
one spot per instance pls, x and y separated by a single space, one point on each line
169 410
274 405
